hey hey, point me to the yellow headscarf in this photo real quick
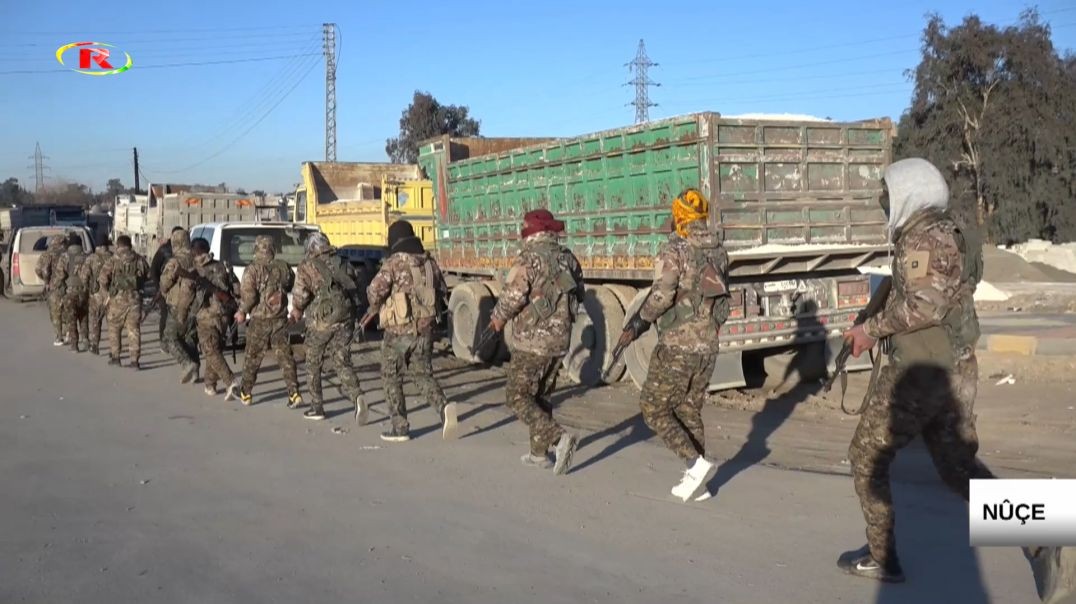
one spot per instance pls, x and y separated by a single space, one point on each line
688 207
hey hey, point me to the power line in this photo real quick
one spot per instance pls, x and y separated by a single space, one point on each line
642 84
256 102
170 65
246 131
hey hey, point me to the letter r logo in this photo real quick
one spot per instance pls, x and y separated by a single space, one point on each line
97 55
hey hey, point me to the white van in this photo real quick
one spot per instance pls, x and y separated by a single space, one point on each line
233 242
26 248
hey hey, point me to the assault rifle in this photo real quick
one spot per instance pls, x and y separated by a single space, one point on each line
635 327
873 307
232 337
364 322
488 335
153 303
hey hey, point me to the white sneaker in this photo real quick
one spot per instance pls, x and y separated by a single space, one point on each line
694 480
57 342
362 411
209 390
449 422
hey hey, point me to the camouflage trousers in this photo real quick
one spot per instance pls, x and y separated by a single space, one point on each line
263 334
672 399
97 310
334 342
531 379
211 329
125 313
76 319
179 340
56 313
907 402
412 355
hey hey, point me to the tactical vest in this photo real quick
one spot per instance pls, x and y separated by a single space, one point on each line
333 300
958 330
706 291
407 307
124 276
74 283
555 283
274 286
95 272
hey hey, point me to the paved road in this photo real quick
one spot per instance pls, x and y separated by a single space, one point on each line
127 487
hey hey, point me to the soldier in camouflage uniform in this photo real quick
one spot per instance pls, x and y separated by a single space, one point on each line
46 262
178 288
541 297
76 292
328 286
688 301
264 297
98 302
927 388
405 294
122 278
214 307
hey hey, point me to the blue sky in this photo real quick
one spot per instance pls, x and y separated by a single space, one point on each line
552 68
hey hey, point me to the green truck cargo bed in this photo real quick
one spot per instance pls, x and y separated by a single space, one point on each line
791 196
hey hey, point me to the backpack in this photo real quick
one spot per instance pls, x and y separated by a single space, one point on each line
274 286
552 286
74 283
334 299
124 276
405 307
706 290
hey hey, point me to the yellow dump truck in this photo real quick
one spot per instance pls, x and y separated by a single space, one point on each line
354 202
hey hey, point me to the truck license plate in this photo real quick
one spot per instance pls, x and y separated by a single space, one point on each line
771 287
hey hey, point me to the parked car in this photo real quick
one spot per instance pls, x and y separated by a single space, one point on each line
26 248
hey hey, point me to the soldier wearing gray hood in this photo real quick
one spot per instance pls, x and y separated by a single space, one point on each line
927 387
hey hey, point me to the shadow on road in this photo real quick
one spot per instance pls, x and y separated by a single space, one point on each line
634 431
776 410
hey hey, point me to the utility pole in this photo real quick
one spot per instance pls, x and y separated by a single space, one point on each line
328 31
136 187
39 169
642 84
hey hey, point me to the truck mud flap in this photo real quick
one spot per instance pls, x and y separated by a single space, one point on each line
728 372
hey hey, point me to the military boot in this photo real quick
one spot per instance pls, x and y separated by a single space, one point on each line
861 564
449 422
564 452
536 461
362 411
190 373
316 412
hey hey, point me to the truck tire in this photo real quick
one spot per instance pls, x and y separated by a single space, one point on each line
594 335
637 356
470 305
508 335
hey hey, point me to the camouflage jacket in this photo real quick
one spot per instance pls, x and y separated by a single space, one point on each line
218 300
395 276
674 276
91 270
532 278
178 291
46 262
264 291
66 265
931 284
309 281
124 259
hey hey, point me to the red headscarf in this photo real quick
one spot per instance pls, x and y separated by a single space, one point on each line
538 221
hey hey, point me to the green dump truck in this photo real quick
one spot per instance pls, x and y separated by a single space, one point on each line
797 202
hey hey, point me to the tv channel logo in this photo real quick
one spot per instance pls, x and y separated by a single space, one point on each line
94 58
